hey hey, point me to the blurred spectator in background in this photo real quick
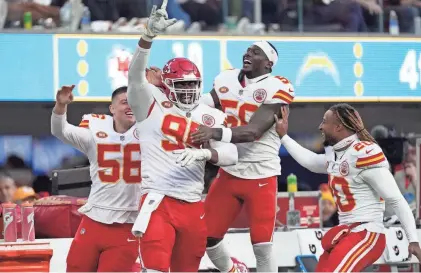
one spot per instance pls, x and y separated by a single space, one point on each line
13 11
112 10
329 212
25 194
347 13
176 11
406 176
7 188
42 186
404 9
404 171
15 162
271 10
319 15
206 11
411 153
18 170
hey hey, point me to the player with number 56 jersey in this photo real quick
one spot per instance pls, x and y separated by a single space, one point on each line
171 221
104 241
361 184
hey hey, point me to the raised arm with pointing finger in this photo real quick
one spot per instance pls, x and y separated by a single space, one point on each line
139 89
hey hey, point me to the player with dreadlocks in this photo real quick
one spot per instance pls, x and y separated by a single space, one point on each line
349 117
361 183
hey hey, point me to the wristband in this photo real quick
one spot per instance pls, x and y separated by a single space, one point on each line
207 154
226 135
147 38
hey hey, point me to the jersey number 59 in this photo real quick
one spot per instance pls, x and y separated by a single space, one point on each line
128 169
241 108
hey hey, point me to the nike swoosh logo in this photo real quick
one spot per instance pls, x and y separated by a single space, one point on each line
368 151
131 240
202 216
264 184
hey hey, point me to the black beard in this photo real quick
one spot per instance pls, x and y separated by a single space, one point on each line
329 142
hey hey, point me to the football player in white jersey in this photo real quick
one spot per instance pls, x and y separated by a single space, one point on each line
361 183
250 96
171 220
104 241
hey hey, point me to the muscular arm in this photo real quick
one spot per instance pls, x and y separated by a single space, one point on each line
80 138
382 181
260 122
306 158
139 92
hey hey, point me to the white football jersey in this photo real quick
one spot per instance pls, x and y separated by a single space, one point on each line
356 200
166 129
114 166
258 159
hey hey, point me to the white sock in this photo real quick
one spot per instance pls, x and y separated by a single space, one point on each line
220 257
265 260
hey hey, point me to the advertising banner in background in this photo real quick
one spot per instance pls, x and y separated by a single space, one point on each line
33 66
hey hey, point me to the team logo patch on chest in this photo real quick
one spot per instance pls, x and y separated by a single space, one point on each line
208 120
344 168
136 133
167 104
223 89
259 95
101 134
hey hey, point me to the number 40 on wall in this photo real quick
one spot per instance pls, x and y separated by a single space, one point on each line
408 72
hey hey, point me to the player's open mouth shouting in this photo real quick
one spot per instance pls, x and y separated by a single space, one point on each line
246 62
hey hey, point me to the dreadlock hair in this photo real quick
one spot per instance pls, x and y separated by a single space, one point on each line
351 119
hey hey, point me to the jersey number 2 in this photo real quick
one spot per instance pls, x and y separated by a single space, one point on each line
347 203
241 108
361 145
129 169
178 130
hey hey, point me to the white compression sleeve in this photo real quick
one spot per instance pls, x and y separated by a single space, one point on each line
306 158
78 137
382 181
227 153
139 92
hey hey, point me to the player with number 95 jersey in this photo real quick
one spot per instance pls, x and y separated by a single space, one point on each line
171 220
361 184
104 241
